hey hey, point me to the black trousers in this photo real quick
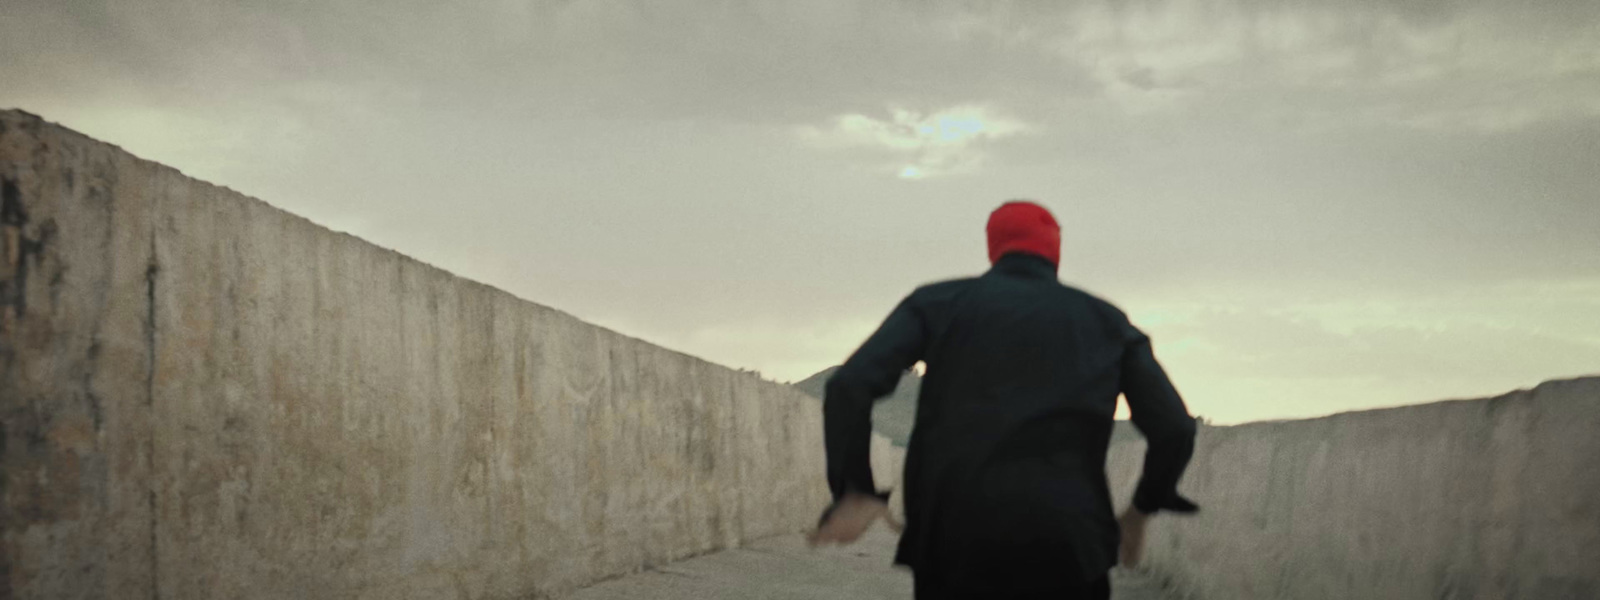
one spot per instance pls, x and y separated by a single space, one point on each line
932 588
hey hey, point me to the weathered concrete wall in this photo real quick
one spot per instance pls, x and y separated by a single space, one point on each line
1476 499
1487 499
206 397
76 501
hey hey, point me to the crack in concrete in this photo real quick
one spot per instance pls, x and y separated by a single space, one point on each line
16 248
152 270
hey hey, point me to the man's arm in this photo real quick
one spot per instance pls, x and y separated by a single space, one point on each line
869 375
1159 413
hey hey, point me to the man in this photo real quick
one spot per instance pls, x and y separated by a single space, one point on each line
1005 486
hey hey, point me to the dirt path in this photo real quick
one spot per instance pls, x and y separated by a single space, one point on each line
785 569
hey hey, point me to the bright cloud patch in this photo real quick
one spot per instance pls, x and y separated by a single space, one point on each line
920 145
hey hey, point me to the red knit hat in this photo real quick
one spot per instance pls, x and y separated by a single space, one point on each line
1024 227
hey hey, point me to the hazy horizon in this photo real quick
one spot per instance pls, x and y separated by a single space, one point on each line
1311 209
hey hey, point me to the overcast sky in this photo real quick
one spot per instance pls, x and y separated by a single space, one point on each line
1311 207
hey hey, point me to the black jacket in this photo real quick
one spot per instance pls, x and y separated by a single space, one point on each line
1013 422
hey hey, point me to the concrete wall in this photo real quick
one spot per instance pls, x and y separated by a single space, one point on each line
1486 499
206 397
1476 499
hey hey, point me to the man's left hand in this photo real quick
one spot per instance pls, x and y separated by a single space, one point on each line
849 519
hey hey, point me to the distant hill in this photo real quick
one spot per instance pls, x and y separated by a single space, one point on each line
893 416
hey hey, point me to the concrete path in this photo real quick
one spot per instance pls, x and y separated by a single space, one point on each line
785 569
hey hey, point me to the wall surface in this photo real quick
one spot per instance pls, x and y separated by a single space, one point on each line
207 397
1477 499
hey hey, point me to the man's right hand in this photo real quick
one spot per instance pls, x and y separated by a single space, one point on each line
1133 525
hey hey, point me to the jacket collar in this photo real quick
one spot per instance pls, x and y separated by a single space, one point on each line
1026 265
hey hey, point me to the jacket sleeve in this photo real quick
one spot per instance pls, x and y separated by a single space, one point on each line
870 374
1159 413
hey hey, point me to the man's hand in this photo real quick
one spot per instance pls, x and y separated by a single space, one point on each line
848 519
1133 524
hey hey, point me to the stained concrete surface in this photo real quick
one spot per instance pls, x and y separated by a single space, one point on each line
207 397
784 568
1491 499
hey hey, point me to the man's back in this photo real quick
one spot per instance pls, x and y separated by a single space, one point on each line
1004 477
1015 413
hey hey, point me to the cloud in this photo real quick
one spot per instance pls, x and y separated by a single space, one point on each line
1443 66
921 145
1429 65
644 161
